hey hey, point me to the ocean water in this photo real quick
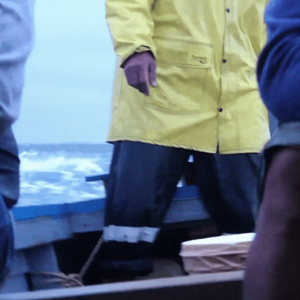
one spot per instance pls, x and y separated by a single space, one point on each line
56 173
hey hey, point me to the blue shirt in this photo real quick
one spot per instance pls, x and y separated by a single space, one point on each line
278 68
16 41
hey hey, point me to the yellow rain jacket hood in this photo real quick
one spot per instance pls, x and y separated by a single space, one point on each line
206 53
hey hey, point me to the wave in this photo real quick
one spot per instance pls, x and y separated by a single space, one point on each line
55 177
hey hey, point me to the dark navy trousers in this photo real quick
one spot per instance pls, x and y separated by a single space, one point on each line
143 180
9 194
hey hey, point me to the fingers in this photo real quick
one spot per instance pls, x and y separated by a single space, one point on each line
132 76
152 74
144 82
138 78
140 72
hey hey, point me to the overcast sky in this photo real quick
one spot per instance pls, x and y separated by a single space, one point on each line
69 75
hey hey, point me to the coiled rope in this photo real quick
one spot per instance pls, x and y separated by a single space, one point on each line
71 280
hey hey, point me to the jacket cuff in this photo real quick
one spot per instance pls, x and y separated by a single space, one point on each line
140 49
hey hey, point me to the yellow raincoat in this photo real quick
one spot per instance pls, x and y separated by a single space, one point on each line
206 52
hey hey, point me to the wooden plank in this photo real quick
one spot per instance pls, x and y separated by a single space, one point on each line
41 231
180 211
22 213
81 223
87 206
218 286
56 211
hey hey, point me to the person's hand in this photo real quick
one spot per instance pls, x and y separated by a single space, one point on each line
140 71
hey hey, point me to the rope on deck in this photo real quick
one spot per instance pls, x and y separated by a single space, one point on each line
71 280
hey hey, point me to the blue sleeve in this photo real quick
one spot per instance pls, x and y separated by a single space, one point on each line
278 69
16 42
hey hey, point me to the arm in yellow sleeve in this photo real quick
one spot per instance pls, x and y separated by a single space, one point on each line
131 26
264 32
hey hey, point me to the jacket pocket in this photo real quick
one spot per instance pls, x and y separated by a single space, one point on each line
182 71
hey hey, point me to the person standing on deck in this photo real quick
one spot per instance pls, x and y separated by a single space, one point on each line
273 267
184 85
16 31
